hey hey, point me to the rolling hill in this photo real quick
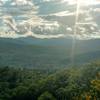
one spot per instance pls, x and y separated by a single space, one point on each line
46 53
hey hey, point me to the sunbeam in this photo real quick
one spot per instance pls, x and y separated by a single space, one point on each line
79 4
75 33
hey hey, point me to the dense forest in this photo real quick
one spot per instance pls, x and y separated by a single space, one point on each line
72 83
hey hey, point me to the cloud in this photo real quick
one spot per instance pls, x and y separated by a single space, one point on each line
63 13
82 2
45 36
12 34
22 2
1 3
25 27
69 2
47 0
96 10
10 22
48 18
69 29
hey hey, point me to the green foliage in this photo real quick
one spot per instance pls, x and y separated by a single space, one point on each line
46 96
74 83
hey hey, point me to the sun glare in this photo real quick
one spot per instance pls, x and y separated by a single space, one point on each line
81 2
86 2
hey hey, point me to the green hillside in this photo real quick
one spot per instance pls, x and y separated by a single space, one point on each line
46 53
74 83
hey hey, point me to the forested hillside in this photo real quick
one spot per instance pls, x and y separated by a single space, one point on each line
46 53
74 83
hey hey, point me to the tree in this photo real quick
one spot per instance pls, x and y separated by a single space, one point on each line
46 96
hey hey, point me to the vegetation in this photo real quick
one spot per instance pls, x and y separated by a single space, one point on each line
46 53
74 83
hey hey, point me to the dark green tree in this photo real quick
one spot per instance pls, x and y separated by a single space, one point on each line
46 96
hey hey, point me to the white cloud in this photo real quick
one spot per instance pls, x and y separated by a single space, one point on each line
10 22
82 2
69 2
1 2
50 25
47 36
63 13
97 10
90 18
92 28
22 2
69 29
12 34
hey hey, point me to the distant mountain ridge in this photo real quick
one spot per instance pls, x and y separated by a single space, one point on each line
46 53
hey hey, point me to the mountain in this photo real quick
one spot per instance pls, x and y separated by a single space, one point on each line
46 53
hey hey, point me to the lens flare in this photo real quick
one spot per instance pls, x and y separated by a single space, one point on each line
79 4
75 33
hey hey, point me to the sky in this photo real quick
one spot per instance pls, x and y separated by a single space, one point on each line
50 18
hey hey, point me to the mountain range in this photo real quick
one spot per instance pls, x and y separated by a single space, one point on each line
47 53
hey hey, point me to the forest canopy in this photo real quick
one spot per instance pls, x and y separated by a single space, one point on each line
74 83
